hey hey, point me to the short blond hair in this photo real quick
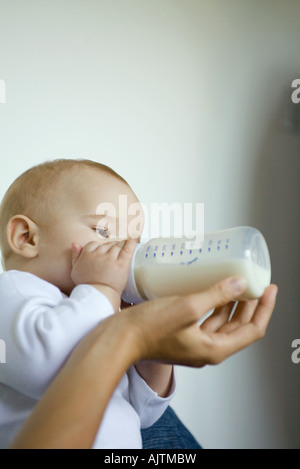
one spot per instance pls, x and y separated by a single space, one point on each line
38 184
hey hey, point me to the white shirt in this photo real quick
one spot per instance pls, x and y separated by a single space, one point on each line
41 326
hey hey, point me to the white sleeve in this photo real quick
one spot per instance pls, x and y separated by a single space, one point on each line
41 326
147 403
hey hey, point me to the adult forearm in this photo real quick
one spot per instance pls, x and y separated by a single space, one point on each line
165 330
70 412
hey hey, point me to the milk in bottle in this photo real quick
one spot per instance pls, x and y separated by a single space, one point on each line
165 266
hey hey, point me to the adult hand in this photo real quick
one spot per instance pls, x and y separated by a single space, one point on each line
168 330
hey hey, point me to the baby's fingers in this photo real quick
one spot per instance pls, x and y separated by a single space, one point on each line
128 249
76 250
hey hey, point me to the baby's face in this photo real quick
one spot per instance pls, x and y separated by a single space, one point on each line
94 207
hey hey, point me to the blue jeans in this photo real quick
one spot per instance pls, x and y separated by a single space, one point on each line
168 433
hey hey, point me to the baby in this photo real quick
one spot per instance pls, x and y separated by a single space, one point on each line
65 270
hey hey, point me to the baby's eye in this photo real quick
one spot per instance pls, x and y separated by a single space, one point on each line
103 232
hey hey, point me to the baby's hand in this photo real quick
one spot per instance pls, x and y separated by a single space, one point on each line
105 266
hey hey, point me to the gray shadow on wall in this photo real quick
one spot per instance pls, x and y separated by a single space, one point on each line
276 212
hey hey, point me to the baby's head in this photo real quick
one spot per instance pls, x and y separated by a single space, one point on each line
59 202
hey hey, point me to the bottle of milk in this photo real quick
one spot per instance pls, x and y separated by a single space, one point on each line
171 266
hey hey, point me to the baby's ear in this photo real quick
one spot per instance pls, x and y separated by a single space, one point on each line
23 236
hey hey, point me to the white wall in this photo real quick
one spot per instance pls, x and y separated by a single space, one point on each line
185 99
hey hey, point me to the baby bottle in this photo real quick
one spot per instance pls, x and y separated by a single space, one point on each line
166 266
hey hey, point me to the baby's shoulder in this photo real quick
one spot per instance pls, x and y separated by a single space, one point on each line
14 282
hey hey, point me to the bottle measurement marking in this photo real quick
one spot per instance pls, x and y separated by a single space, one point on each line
163 251
193 260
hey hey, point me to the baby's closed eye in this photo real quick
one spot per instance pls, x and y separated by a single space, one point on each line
102 232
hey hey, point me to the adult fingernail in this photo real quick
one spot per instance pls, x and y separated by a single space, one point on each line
238 284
